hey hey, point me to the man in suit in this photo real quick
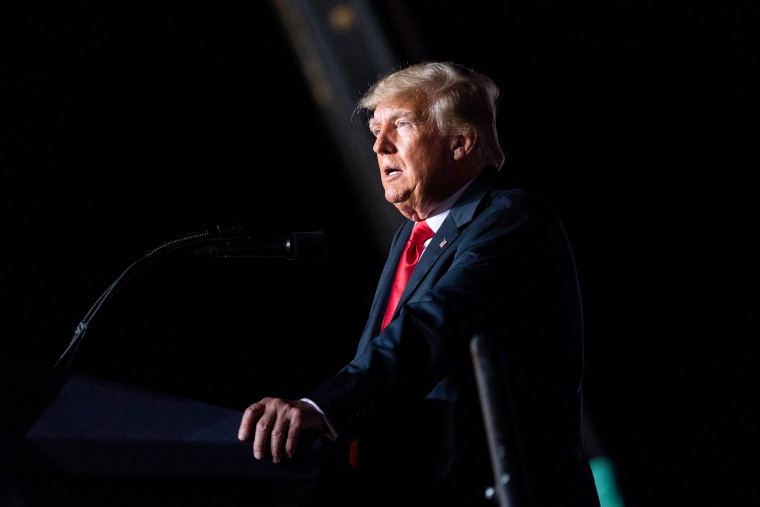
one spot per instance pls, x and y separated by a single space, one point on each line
500 266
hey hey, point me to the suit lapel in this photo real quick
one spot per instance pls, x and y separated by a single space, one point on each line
382 293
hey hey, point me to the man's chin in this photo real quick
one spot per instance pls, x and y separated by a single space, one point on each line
405 210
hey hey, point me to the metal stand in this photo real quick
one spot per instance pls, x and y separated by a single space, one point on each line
510 488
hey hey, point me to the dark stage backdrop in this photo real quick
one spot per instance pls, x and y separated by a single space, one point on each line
135 128
126 128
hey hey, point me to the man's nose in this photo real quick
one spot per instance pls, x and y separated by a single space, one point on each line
382 144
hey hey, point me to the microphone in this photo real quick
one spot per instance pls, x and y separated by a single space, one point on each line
294 246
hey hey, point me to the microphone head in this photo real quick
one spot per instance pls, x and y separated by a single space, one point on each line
311 246
227 231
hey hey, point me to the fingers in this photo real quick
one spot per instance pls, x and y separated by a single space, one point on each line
272 421
250 416
291 441
275 431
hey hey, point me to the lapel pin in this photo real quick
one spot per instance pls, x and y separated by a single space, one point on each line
443 243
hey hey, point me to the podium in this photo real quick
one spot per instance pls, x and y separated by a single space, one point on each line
135 444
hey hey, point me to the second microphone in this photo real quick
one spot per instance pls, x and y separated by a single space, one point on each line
294 246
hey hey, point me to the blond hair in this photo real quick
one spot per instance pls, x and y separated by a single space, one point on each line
450 97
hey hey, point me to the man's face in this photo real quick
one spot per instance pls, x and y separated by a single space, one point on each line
416 163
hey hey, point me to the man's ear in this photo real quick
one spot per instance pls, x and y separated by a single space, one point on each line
463 144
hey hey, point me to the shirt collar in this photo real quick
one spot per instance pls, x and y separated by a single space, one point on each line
442 211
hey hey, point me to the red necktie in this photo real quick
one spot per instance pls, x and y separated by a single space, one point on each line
409 257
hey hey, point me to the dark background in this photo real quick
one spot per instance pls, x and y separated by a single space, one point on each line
129 128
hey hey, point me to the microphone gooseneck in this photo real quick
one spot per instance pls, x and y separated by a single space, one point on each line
233 241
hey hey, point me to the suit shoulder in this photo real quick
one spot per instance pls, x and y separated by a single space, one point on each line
507 196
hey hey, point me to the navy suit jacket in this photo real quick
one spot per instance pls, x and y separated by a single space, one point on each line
499 266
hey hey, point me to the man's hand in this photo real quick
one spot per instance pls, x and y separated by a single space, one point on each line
280 422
